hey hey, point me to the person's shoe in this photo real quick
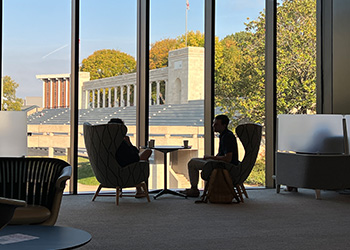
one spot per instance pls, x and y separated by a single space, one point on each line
191 192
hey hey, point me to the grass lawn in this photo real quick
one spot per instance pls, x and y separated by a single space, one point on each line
85 174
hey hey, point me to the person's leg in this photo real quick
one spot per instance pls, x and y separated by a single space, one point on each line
194 165
145 154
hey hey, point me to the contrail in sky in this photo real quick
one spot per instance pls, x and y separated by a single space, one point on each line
55 51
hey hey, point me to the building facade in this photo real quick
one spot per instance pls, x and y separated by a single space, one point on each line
56 89
180 82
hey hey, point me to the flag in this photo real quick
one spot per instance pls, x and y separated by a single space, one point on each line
187 5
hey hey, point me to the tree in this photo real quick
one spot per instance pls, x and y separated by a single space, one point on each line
9 94
108 63
296 65
160 50
158 54
194 39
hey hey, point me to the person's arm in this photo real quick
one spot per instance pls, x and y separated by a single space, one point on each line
226 158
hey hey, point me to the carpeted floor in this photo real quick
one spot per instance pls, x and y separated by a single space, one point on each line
265 221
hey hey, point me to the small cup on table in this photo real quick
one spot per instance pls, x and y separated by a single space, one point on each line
185 143
151 143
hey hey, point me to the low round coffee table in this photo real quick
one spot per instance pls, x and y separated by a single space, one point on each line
42 237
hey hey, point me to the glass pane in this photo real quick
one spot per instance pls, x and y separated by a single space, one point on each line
296 57
240 69
176 108
36 66
107 77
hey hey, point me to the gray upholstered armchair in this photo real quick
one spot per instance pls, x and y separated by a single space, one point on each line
102 142
37 181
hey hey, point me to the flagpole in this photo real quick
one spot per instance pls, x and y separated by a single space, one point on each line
186 22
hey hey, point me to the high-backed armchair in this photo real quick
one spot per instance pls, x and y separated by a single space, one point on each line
102 142
250 136
37 181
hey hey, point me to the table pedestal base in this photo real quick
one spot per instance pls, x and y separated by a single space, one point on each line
168 191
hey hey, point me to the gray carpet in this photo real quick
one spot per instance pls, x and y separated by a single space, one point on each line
265 221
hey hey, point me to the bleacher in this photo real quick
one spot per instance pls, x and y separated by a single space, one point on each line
190 114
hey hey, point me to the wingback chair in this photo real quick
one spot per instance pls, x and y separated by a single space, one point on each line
250 136
37 181
102 142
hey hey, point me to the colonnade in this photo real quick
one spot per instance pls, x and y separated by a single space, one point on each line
123 95
55 93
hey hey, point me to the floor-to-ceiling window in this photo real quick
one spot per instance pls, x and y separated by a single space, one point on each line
240 70
296 57
176 87
35 70
108 57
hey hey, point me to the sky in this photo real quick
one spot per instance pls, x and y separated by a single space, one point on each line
36 36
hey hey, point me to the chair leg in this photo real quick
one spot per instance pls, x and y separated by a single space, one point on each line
240 193
278 188
97 192
145 189
244 190
318 194
117 194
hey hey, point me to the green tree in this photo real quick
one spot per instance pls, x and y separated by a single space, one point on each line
9 94
108 63
296 65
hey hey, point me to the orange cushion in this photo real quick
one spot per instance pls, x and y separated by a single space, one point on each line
30 214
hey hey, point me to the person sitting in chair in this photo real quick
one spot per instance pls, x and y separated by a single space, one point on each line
128 153
228 152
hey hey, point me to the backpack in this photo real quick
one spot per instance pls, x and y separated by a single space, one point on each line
219 188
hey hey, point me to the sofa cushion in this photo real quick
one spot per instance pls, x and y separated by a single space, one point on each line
30 214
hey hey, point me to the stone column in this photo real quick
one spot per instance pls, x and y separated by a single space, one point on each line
104 98
93 98
44 93
58 93
158 91
150 93
165 90
135 94
115 96
128 95
98 98
51 94
109 97
121 96
86 101
67 90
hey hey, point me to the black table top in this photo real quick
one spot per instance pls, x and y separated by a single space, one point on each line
168 148
42 237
